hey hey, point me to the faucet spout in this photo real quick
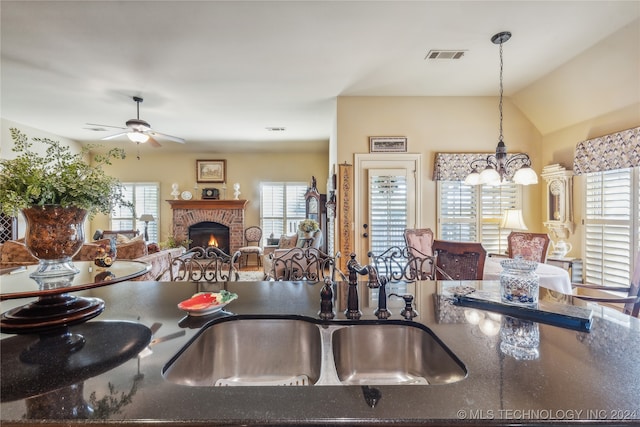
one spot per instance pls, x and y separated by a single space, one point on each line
381 312
353 311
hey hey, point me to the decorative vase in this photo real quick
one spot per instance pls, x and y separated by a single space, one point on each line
306 234
54 234
518 281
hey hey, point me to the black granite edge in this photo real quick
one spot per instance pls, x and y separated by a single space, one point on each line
278 420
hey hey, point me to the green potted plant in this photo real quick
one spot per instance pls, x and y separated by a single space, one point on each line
56 191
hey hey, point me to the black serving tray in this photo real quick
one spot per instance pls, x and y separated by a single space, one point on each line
556 314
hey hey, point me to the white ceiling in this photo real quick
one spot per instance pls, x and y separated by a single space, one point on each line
217 73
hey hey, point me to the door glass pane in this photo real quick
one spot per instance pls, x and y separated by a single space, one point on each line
387 209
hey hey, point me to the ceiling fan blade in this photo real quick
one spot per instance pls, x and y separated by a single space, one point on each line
117 135
104 126
152 142
165 136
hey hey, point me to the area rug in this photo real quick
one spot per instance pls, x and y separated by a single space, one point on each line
251 276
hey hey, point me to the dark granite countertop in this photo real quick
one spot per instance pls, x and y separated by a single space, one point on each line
586 376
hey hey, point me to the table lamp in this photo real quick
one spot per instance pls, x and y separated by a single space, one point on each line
146 218
512 219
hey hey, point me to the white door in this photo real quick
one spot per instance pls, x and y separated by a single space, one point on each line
387 201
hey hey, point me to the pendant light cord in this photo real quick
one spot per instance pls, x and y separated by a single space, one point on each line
500 139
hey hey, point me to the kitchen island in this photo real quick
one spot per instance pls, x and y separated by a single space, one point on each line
585 376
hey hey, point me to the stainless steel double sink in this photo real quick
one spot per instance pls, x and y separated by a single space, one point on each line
297 350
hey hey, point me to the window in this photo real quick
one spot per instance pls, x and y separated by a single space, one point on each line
282 207
472 213
612 226
145 197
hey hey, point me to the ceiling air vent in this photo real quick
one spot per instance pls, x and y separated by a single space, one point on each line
445 54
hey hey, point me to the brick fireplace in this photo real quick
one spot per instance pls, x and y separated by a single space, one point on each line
230 213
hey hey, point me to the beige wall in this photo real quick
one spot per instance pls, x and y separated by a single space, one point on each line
439 124
246 169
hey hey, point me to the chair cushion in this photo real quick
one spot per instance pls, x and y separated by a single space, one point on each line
251 249
89 251
121 238
422 240
132 250
288 242
16 252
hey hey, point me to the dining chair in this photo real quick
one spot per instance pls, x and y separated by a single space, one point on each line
531 246
403 264
302 264
420 240
252 237
459 260
199 264
631 301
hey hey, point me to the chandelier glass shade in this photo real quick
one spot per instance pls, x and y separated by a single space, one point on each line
493 169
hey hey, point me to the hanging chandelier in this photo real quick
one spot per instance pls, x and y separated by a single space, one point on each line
492 170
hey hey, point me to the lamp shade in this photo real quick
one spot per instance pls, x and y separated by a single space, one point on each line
512 219
147 218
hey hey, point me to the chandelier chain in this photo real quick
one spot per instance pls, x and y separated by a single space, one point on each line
500 138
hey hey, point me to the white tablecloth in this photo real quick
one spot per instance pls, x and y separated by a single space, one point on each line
551 277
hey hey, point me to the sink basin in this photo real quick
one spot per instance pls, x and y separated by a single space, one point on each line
393 354
250 352
295 350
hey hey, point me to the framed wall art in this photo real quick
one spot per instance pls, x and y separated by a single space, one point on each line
211 170
387 144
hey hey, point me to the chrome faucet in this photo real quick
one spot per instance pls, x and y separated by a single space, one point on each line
353 310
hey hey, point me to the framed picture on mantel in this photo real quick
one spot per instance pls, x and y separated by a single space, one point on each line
211 170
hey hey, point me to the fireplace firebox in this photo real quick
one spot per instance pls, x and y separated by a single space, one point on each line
207 233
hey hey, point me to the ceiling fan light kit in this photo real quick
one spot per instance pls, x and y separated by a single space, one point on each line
138 137
139 131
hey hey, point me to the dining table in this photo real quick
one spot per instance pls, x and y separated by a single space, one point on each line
549 276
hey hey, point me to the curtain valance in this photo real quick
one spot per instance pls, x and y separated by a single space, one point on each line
456 166
614 151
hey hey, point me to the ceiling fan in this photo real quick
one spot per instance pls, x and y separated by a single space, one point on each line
139 131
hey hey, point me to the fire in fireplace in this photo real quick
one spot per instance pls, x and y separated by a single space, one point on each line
206 233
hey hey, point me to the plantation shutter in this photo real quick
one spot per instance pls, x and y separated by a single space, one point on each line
145 197
472 213
457 211
387 209
495 199
282 206
609 240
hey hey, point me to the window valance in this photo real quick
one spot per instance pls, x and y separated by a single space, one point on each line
456 166
614 151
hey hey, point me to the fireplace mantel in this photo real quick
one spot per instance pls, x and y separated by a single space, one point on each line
208 204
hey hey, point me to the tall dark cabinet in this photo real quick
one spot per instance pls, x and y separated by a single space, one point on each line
316 208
